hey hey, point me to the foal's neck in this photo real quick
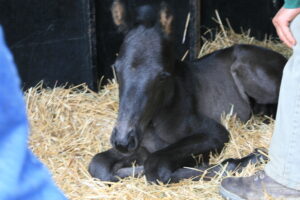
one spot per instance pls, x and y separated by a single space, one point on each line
181 91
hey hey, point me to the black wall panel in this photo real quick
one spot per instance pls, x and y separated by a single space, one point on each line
51 40
242 14
108 39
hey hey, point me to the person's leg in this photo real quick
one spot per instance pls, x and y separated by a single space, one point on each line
285 144
282 175
22 176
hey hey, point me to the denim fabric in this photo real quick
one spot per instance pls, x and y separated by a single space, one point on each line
284 165
22 176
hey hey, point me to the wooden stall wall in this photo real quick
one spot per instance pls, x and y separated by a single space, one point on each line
242 15
51 40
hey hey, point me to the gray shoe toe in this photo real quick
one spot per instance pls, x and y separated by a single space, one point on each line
229 189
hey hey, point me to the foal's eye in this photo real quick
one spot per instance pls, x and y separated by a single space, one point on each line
163 76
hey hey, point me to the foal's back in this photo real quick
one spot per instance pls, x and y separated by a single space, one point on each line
239 78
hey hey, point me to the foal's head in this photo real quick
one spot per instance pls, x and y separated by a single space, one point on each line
144 70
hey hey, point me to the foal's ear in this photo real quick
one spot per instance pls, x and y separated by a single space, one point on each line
118 12
165 18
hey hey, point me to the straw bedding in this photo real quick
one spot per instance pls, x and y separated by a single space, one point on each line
70 125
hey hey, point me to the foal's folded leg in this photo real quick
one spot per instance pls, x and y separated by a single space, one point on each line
161 165
112 165
259 156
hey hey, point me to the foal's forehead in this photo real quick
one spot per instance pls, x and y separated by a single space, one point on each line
142 36
141 47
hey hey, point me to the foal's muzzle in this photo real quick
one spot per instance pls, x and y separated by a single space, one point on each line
125 143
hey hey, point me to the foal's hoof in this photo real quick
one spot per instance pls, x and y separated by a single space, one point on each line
257 157
157 170
98 170
162 175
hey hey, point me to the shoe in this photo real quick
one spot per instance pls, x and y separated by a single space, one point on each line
257 187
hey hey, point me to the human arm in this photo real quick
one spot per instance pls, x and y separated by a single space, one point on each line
282 21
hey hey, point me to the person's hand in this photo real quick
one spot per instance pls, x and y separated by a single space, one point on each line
282 21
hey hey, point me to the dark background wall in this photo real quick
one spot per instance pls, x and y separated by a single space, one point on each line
242 14
51 40
75 41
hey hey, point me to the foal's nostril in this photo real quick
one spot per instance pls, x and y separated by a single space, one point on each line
121 148
132 143
125 144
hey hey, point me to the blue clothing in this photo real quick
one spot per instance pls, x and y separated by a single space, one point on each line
22 176
291 4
